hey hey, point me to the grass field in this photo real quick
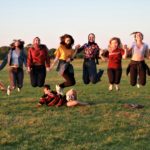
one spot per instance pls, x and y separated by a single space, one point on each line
106 125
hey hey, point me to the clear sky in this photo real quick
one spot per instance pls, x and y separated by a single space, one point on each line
49 19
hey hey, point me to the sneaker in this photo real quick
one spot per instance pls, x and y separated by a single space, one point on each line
138 86
8 90
59 90
18 89
117 87
100 73
110 87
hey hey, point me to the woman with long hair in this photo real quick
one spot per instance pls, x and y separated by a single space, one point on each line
137 66
15 59
64 55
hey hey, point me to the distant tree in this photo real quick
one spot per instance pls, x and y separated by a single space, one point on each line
51 52
3 51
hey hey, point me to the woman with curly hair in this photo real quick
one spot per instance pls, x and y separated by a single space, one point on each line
114 57
64 55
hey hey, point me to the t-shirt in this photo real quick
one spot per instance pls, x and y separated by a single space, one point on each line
140 51
63 53
114 58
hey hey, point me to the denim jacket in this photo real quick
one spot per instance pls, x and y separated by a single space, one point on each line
8 59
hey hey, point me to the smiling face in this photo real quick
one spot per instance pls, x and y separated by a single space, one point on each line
67 41
91 37
114 44
17 43
46 91
36 41
138 36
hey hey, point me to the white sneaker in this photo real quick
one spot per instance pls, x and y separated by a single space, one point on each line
110 87
18 89
138 86
117 87
59 90
8 90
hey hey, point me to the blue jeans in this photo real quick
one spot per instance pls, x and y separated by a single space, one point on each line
90 72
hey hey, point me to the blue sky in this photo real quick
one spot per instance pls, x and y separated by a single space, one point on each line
49 19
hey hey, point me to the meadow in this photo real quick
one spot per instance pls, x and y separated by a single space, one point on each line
104 125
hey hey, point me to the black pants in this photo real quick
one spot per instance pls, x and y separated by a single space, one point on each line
68 75
137 72
90 72
38 75
114 75
16 77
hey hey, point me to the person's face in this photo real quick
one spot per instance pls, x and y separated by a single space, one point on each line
46 91
114 44
91 38
138 37
67 41
17 43
36 41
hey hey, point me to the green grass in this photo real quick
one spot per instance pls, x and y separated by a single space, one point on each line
106 125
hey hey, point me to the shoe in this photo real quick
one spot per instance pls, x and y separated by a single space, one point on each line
8 90
110 87
18 89
59 90
100 73
117 87
138 86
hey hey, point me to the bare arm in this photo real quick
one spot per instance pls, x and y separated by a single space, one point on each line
54 62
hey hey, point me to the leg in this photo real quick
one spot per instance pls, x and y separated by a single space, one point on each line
73 103
41 75
111 76
12 78
85 77
20 77
33 76
118 74
133 75
142 75
69 79
93 72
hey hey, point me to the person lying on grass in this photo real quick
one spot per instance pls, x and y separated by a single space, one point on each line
53 98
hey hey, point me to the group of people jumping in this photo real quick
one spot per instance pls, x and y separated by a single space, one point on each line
38 63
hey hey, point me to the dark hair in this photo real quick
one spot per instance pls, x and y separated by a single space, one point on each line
118 41
62 40
21 45
47 86
36 38
134 33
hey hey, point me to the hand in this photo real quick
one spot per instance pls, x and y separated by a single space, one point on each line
48 69
68 60
77 46
125 47
28 69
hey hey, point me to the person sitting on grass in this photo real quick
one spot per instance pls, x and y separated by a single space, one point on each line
52 98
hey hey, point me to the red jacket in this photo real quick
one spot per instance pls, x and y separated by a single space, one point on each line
38 56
